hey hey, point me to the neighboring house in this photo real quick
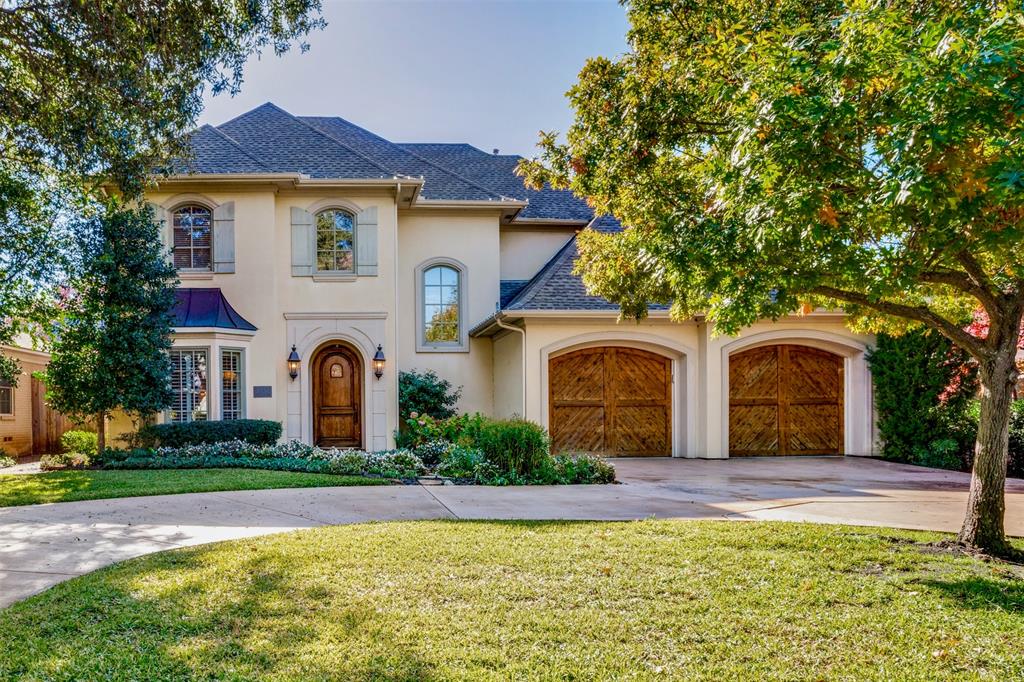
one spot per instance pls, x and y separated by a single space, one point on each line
313 234
27 425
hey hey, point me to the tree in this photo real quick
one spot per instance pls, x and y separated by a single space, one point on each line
110 352
863 154
104 92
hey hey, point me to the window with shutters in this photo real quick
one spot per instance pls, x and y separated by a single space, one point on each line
6 399
193 237
232 387
335 241
441 307
189 385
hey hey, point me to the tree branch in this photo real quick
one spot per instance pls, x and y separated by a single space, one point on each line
976 347
965 283
978 274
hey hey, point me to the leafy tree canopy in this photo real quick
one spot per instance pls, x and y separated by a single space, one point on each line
104 92
770 155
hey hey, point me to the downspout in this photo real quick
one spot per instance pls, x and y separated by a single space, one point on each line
394 266
520 330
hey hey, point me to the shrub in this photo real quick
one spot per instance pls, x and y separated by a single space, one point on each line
254 431
79 441
6 460
923 386
64 460
416 430
515 446
426 393
291 456
395 464
943 453
433 451
571 469
463 429
460 462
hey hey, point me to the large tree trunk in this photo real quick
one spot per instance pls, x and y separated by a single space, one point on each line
983 524
101 435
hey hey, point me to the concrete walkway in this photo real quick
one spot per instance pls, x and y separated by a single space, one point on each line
42 545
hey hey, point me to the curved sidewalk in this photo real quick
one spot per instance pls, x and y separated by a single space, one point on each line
42 545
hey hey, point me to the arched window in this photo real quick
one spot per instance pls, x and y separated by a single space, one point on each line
441 306
193 237
335 241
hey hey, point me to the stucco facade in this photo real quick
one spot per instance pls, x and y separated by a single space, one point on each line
508 253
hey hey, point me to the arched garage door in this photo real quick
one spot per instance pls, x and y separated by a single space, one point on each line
785 400
611 400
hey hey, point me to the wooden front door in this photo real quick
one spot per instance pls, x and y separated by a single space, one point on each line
612 401
337 397
785 400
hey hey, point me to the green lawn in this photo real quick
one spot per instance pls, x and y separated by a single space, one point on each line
66 486
532 600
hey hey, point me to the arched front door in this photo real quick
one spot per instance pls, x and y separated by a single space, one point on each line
337 397
785 400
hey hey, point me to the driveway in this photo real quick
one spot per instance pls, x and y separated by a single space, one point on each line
42 545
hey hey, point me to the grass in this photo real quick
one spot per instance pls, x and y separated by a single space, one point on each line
532 600
67 486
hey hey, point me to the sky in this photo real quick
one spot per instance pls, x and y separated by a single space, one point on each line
492 73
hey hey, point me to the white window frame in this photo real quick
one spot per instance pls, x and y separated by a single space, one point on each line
422 345
209 385
221 350
213 226
335 274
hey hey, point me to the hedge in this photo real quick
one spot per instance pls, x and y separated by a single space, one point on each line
253 431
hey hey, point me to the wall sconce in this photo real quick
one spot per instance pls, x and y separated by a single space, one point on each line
293 363
378 362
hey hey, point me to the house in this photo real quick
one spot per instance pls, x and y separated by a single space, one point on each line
318 259
27 425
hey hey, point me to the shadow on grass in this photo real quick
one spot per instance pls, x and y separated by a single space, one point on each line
193 630
982 593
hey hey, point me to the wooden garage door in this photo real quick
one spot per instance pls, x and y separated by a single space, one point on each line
611 400
785 400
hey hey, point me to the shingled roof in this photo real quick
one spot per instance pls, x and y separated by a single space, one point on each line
554 287
497 171
268 139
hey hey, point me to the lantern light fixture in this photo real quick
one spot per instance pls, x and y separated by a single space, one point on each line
378 362
293 363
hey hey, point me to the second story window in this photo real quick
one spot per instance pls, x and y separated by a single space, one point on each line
193 238
335 241
441 324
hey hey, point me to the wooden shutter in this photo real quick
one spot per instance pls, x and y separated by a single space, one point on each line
302 243
224 237
165 229
366 242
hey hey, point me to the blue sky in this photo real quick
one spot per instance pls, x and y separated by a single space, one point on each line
487 72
